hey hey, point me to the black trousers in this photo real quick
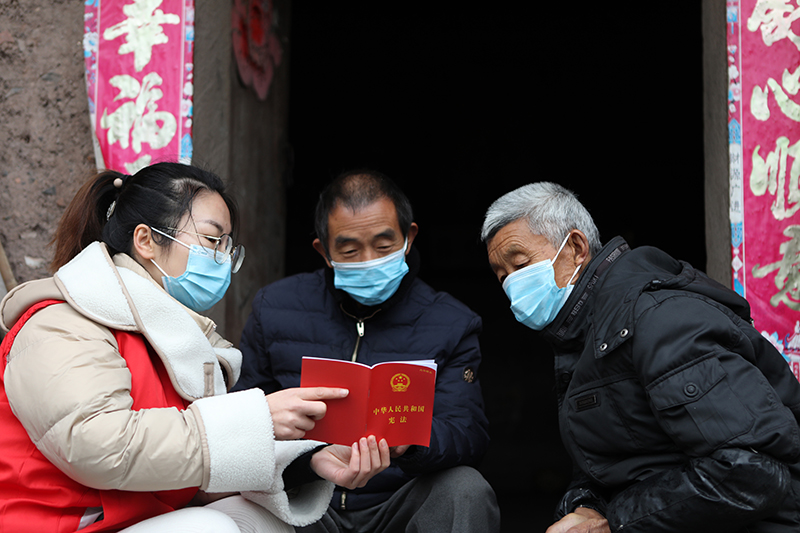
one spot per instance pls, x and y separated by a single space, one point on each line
456 500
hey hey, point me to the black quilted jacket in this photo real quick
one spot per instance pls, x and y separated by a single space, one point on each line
678 415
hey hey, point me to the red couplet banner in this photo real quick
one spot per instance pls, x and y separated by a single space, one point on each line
764 139
138 56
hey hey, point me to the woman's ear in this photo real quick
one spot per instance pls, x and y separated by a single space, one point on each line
143 244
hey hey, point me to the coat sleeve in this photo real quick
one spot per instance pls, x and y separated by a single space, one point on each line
459 431
580 493
717 407
723 491
70 388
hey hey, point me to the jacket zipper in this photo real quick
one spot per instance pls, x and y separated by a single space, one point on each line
360 335
359 330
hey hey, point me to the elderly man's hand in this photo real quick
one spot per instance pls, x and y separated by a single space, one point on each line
295 411
352 466
398 451
583 520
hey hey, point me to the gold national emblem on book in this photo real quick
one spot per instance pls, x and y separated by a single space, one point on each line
400 382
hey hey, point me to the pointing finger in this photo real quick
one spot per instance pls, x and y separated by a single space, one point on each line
322 393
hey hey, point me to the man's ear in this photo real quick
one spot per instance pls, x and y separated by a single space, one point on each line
317 244
143 244
411 235
581 253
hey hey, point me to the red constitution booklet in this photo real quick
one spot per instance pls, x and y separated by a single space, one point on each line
392 400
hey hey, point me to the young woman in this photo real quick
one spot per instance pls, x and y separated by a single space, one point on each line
113 401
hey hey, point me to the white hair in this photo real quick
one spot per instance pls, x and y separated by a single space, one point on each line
551 211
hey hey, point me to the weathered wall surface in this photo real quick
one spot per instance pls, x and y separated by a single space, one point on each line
243 139
45 142
212 69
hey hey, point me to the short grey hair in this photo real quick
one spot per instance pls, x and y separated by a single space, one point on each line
551 211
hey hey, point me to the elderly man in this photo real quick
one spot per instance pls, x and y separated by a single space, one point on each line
368 305
678 415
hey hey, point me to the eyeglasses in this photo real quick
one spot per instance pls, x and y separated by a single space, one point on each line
223 247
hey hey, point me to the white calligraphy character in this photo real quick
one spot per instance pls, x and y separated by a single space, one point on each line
143 29
769 174
790 83
787 276
774 18
141 115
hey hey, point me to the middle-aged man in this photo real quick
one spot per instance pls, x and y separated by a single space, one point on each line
368 305
678 415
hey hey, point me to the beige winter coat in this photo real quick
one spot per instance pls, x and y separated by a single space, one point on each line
70 388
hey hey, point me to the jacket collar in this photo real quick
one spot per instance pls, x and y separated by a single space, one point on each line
600 312
355 309
121 260
120 294
573 321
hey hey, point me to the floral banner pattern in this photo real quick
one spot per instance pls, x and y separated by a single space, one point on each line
256 45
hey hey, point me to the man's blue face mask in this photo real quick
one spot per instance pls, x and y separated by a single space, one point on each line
371 282
535 297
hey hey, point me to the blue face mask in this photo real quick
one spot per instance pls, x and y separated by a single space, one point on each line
371 282
204 281
535 297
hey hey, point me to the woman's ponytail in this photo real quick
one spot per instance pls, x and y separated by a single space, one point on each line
110 206
83 220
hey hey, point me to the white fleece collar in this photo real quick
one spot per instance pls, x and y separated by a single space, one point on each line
122 299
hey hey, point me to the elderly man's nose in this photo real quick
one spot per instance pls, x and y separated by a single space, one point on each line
370 254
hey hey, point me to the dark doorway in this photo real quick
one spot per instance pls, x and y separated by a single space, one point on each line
462 105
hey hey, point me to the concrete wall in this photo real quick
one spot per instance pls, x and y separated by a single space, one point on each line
715 90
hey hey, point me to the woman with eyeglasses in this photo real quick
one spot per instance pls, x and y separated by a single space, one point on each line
114 412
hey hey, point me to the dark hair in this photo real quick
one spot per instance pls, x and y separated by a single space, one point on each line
158 195
356 189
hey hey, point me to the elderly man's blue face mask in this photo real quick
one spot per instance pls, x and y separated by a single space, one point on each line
535 297
371 282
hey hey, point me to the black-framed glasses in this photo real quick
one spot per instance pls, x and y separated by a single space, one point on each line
223 248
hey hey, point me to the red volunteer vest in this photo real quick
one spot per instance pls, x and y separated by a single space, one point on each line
36 496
